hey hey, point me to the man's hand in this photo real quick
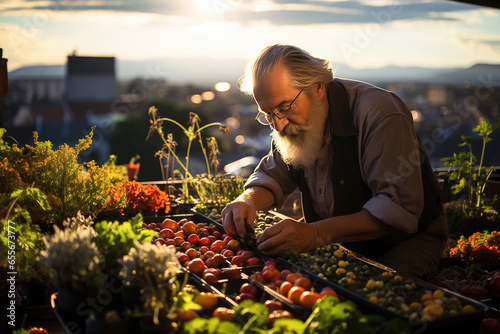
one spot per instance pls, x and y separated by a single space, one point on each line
286 237
237 215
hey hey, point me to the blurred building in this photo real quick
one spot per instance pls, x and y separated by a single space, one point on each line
64 109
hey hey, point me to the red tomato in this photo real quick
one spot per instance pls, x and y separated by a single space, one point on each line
303 282
227 239
218 246
270 263
193 239
171 224
248 288
273 305
277 314
205 242
224 314
197 266
271 274
327 291
285 273
166 233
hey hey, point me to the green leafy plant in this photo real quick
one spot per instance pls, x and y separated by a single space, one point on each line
210 326
68 186
26 237
116 173
467 176
192 132
114 240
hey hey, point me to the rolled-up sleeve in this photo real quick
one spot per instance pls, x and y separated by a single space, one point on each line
274 175
390 163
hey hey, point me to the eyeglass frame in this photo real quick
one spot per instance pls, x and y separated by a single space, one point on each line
279 109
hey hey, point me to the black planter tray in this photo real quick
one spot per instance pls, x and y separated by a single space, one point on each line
461 323
73 323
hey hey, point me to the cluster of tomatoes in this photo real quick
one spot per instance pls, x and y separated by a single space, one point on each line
293 286
203 249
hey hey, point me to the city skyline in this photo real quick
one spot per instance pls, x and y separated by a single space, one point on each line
360 34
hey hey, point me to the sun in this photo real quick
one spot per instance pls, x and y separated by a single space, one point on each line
207 7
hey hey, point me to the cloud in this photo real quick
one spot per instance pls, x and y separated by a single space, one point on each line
492 44
275 12
329 12
170 7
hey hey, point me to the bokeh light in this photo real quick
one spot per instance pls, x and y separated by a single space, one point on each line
196 99
239 139
208 95
222 86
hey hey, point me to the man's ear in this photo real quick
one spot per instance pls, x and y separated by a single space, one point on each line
320 90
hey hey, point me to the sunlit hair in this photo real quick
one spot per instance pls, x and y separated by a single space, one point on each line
304 69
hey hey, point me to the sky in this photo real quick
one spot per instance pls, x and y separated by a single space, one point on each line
361 34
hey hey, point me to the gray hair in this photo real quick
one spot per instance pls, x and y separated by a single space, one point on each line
304 69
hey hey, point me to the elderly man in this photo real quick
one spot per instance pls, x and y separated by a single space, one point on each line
352 150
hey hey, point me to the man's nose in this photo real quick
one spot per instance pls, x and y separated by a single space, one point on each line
279 124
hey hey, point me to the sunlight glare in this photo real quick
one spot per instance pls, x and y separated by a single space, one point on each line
205 6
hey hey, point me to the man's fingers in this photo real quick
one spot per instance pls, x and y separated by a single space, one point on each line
240 224
227 223
275 246
270 232
270 238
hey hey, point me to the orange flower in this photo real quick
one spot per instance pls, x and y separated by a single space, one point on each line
145 198
479 248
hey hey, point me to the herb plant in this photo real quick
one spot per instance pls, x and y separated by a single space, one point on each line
74 259
152 268
467 176
69 186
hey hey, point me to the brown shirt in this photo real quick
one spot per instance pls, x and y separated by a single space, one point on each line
388 156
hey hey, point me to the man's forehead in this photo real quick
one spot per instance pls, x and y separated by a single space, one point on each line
274 90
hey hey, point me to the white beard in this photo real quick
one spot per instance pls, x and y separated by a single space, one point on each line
299 145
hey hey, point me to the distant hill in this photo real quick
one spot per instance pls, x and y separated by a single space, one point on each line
210 70
480 73
50 71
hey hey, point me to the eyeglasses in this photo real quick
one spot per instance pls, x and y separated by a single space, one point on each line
280 113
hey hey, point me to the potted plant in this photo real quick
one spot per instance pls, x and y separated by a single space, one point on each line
152 269
133 168
76 264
